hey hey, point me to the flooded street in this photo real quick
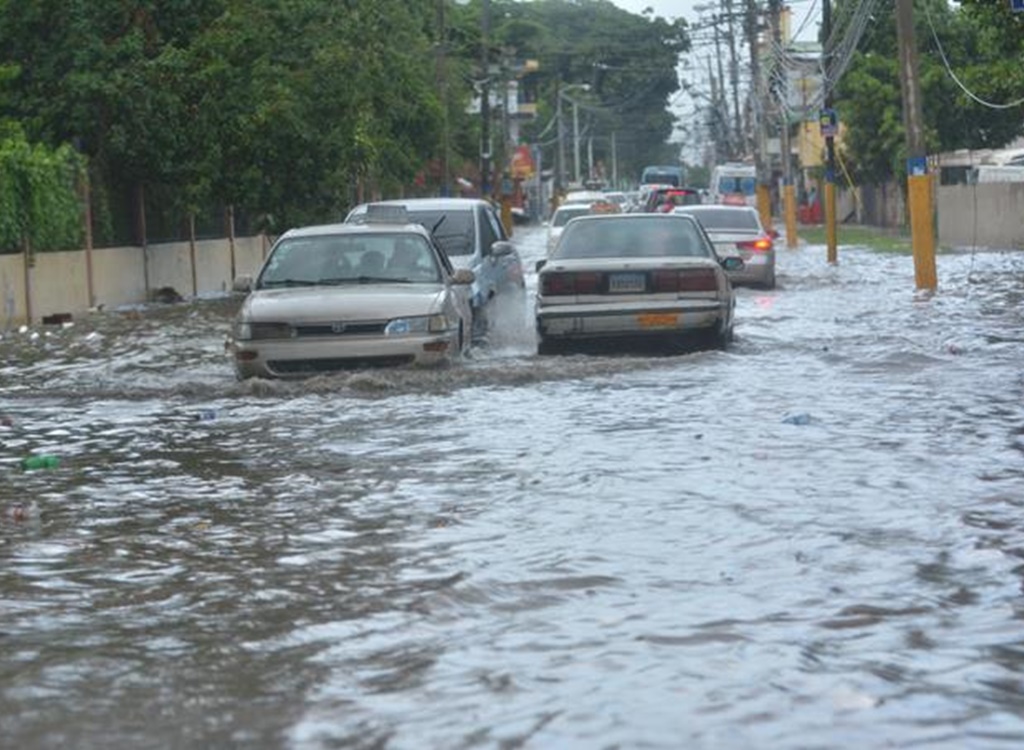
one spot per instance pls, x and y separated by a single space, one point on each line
812 540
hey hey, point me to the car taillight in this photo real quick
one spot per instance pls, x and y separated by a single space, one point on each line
685 280
761 244
563 283
588 283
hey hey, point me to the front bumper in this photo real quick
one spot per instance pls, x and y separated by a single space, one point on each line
291 358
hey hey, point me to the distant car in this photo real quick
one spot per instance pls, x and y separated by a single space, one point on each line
343 296
664 199
621 277
470 232
581 196
561 217
737 230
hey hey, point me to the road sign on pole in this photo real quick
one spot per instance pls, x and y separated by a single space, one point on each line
1017 6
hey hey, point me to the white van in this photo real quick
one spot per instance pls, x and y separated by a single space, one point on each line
734 183
997 173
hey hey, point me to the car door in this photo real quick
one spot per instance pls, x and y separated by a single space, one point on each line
507 267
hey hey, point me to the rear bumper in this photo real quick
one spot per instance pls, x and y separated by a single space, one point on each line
586 321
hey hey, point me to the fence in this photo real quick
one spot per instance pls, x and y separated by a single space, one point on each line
70 283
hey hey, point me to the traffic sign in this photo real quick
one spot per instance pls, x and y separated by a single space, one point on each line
1017 6
829 122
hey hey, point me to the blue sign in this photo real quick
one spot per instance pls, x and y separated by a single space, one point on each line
1017 6
917 166
829 122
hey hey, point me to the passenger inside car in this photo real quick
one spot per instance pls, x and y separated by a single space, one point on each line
371 264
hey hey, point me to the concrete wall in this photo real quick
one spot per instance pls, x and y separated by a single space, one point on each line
982 215
58 283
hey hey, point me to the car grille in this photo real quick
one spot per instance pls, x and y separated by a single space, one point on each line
341 328
314 366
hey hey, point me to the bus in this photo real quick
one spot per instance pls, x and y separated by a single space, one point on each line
663 175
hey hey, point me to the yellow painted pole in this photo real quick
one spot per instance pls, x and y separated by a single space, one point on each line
922 229
830 221
789 193
764 205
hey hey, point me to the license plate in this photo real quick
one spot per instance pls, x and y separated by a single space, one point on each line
657 320
619 283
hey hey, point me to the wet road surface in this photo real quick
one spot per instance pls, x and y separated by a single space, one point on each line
812 540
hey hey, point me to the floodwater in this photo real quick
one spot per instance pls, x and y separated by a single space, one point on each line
812 540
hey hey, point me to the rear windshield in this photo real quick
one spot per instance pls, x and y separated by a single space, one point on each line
661 178
647 237
722 218
563 215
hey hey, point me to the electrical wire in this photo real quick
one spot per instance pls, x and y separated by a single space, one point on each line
956 80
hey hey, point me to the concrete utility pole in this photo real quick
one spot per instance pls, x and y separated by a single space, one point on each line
442 86
779 76
485 101
556 194
830 145
919 184
764 197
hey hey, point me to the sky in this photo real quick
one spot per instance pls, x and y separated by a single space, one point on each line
685 106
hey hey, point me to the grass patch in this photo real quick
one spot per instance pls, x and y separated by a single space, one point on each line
873 238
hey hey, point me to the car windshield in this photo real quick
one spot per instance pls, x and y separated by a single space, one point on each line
646 237
718 219
325 260
453 229
562 215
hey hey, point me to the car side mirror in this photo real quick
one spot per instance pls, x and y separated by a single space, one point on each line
502 247
242 284
540 265
463 276
732 263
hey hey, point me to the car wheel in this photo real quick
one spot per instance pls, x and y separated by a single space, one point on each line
769 283
480 324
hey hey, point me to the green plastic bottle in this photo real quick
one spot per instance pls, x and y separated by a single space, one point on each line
45 461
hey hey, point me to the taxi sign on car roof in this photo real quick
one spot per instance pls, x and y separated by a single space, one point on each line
380 213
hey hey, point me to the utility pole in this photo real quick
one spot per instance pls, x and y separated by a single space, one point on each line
575 141
919 184
721 88
556 195
485 101
779 79
764 198
734 77
830 145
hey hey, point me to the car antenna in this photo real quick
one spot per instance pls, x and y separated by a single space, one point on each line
438 224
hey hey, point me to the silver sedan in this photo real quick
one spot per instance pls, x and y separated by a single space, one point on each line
737 231
337 297
622 278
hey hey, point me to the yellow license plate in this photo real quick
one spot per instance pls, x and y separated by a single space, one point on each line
657 320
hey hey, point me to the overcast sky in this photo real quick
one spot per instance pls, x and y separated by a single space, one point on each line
684 106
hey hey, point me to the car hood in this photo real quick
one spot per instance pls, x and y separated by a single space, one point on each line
349 302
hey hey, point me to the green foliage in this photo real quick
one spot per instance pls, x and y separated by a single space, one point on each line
286 108
38 201
984 58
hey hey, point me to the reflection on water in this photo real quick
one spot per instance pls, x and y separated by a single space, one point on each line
581 551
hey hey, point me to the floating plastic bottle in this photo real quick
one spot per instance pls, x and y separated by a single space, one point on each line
40 462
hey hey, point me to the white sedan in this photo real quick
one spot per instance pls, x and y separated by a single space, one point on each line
620 278
342 296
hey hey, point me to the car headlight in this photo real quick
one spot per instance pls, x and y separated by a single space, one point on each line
246 331
419 324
